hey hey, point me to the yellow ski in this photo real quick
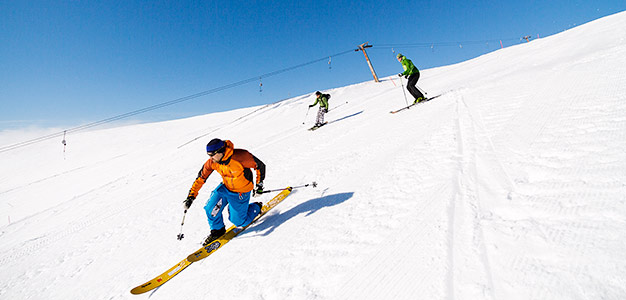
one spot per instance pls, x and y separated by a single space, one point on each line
161 279
232 232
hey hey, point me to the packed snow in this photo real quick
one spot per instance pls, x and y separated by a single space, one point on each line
511 185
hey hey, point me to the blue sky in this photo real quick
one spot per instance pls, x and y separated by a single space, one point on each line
68 63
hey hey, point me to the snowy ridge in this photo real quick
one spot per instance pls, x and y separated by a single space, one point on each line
511 185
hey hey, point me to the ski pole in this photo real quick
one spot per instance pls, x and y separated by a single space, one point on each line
307 113
181 235
314 184
423 92
338 106
403 91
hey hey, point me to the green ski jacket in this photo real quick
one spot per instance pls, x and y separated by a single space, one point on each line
409 68
323 100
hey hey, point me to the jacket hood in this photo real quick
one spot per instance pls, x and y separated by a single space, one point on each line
228 152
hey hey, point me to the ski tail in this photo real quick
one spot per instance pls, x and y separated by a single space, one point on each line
232 232
421 102
161 279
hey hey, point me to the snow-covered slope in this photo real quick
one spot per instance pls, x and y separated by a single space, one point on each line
511 185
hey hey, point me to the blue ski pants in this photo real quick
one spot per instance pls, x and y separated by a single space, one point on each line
240 212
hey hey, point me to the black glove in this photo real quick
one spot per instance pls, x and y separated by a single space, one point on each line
187 203
311 106
258 190
325 110
400 75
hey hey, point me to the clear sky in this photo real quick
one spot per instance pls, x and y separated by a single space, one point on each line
68 63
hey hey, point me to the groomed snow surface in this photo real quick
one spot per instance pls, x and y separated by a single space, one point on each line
511 185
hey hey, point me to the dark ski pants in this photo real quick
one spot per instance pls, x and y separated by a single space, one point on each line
412 88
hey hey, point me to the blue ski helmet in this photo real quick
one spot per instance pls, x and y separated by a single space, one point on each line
215 145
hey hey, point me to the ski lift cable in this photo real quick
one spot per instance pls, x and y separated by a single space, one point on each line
439 44
161 105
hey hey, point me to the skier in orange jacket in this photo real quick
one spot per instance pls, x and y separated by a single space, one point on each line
237 182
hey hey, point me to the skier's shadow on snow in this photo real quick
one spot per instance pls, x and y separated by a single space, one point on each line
310 207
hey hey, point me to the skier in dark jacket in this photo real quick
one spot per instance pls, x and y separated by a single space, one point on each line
237 181
413 74
323 101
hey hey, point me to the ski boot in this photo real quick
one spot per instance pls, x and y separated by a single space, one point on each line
419 99
260 204
215 234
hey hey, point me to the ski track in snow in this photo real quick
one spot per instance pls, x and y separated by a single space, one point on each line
511 185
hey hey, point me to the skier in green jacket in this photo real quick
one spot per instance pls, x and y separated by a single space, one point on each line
413 74
323 101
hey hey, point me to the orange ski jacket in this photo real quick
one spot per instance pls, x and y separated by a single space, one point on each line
235 170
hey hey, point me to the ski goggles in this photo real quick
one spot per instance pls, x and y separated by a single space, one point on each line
220 150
